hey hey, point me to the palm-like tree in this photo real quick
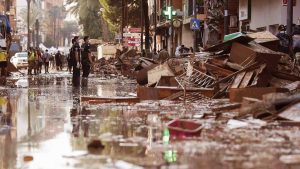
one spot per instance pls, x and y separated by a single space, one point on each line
87 12
56 13
28 20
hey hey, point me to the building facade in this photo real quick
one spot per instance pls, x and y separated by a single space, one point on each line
8 7
183 34
266 15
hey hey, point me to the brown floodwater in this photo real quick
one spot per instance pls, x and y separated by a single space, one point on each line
45 126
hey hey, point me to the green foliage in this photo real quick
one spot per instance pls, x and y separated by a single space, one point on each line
113 13
87 11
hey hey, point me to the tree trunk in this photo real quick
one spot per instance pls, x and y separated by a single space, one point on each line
147 26
54 31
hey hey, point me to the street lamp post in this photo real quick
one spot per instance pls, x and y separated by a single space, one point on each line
290 24
195 32
226 18
28 22
155 20
172 33
37 29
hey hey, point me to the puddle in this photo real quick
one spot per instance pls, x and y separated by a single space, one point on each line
43 118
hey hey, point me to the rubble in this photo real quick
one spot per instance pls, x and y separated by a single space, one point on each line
257 81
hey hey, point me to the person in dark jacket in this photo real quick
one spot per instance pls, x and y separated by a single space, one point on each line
75 61
58 61
86 61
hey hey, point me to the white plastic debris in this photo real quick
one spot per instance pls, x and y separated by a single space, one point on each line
234 124
125 165
290 159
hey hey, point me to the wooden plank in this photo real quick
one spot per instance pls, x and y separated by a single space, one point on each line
292 113
100 100
238 79
286 76
218 70
237 94
250 67
293 86
174 96
159 93
246 79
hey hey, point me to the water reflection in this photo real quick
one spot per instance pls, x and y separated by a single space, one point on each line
53 125
7 133
80 120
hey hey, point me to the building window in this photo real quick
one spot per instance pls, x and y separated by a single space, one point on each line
190 7
200 6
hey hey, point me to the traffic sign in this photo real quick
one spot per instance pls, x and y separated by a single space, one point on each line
135 30
132 30
132 35
132 41
195 24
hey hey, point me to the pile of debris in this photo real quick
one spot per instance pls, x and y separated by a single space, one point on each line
126 64
242 66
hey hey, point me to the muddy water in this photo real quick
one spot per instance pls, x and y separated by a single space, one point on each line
43 118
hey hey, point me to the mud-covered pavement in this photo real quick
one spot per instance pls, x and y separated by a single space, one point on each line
44 126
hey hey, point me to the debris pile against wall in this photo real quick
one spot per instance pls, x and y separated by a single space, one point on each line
246 69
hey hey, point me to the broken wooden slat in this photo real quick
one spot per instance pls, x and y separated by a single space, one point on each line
110 100
247 79
291 113
286 76
237 94
174 96
218 70
251 67
238 79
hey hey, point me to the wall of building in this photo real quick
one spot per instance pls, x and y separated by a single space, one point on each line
187 36
265 13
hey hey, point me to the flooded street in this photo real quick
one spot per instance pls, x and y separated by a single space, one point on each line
45 125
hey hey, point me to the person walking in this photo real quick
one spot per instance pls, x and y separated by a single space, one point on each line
3 66
40 60
46 58
31 60
75 61
69 63
51 61
86 61
58 61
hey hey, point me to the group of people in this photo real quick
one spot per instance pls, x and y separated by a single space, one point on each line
37 58
80 58
181 50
